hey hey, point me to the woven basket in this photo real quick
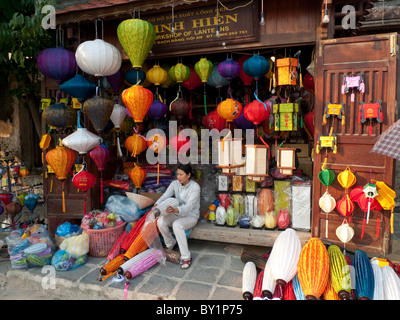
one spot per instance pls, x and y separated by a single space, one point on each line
101 241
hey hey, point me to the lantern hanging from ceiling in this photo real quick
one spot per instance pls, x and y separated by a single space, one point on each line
61 160
98 58
136 144
203 69
345 233
346 178
117 117
137 38
229 69
339 272
58 64
193 81
284 257
79 87
313 269
214 121
100 156
180 108
157 75
256 167
99 110
116 80
370 192
83 181
31 201
81 141
229 109
137 175
246 79
180 143
241 122
157 110
217 81
364 275
256 66
179 73
59 115
138 101
256 112
134 76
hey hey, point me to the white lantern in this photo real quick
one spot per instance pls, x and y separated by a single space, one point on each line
268 283
391 283
286 160
81 140
220 215
230 156
98 58
117 117
249 280
256 168
344 232
378 287
284 257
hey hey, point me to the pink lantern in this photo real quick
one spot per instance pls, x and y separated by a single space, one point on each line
180 143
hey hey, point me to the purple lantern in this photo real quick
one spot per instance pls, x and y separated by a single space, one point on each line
116 80
242 123
229 69
57 63
157 110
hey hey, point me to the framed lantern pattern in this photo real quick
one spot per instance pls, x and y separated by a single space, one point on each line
230 155
256 168
286 160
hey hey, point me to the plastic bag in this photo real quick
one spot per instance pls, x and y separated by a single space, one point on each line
67 229
150 234
76 246
63 261
123 206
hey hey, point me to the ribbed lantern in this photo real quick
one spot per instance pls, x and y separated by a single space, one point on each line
138 101
59 115
229 69
180 108
83 181
378 287
135 144
179 72
313 269
100 156
157 110
339 272
79 87
249 278
269 283
98 110
391 284
137 38
157 75
229 109
365 281
256 112
137 175
81 141
98 58
256 66
284 257
57 63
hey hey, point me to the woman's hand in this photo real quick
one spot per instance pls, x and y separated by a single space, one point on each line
171 210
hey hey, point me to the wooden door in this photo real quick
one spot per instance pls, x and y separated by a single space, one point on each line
375 58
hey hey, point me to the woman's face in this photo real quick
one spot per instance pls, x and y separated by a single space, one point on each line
183 178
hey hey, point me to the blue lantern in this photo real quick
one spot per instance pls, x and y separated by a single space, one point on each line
79 87
215 79
256 66
31 201
133 76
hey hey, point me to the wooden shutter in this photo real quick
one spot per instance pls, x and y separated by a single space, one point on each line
375 57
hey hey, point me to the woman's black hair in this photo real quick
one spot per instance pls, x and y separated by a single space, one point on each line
186 167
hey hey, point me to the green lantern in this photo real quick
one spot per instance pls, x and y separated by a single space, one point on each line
179 72
203 68
137 38
326 177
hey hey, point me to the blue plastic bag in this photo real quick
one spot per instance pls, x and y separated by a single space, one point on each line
125 207
67 229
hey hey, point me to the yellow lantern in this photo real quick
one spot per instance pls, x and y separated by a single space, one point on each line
157 75
136 144
229 109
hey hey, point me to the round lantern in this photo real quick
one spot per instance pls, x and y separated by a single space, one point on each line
98 58
215 79
256 112
247 79
79 87
99 110
57 63
365 282
14 208
229 109
241 122
157 142
346 178
137 175
284 257
157 110
84 180
193 81
180 143
326 177
180 108
308 82
116 80
100 155
134 76
345 206
256 66
229 69
179 72
313 269
59 115
213 121
203 69
135 144
138 101
327 203
157 75
344 232
137 38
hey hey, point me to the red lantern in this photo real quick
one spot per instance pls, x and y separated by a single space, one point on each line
256 112
194 80
84 180
100 156
247 80
180 143
309 121
308 83
137 175
180 108
214 121
345 206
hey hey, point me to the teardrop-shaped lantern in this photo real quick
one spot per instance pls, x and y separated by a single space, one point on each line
194 80
135 144
213 121
229 69
215 79
118 115
79 87
179 72
180 143
98 58
81 141
344 232
345 206
157 110
137 38
138 101
249 278
61 160
284 257
157 75
378 287
83 181
180 108
339 272
256 112
98 110
100 156
327 203
134 76
57 63
137 175
229 109
346 178
59 115
31 201
391 284
313 269
247 80
365 281
326 177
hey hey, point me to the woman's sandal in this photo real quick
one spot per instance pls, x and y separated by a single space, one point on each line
185 264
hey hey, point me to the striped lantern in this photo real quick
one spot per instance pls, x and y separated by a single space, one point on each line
203 69
249 278
99 110
58 64
135 144
365 282
81 141
330 293
137 38
137 175
138 101
313 269
391 284
269 283
378 287
339 272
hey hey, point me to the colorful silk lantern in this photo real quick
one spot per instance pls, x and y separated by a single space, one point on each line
100 155
313 269
246 79
180 143
79 87
157 110
134 76
229 109
256 66
81 141
57 63
157 75
137 175
193 81
213 121
137 38
215 79
84 180
157 142
365 282
117 117
98 58
135 144
23 171
59 115
229 69
339 273
138 101
284 257
256 112
116 80
31 201
179 73
61 160
98 110
180 108
203 69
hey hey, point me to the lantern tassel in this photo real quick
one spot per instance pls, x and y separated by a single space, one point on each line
126 290
158 173
205 99
190 104
101 187
391 222
378 225
363 227
63 196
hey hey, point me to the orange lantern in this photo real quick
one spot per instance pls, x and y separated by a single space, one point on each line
23 171
135 144
61 160
229 109
138 101
313 269
137 175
